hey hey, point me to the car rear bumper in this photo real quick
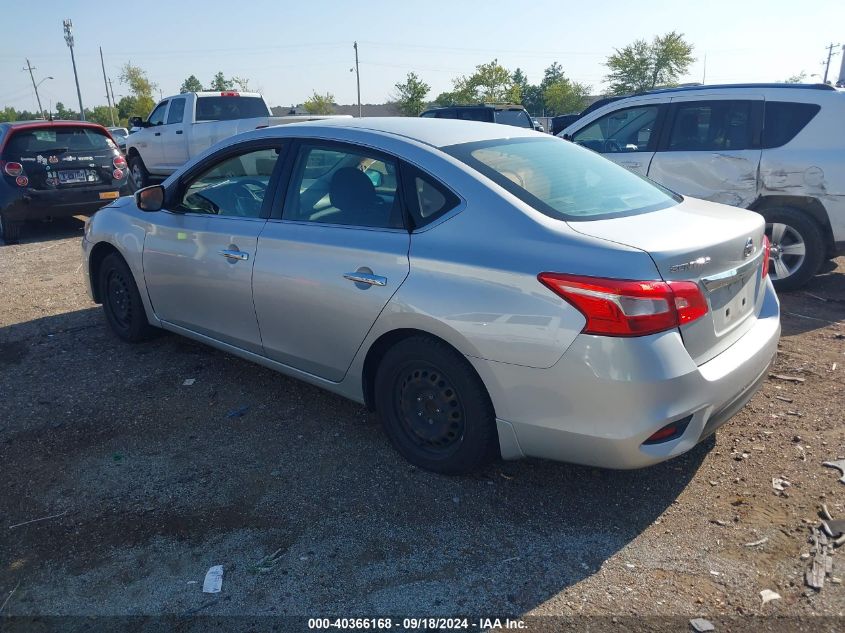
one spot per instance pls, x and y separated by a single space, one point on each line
33 204
606 395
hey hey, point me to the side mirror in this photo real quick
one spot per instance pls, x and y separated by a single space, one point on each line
136 121
150 198
567 137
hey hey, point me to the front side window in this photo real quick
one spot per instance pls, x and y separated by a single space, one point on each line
562 180
233 187
157 117
628 130
352 187
177 111
711 126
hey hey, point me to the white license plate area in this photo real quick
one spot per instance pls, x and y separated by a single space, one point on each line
71 176
733 303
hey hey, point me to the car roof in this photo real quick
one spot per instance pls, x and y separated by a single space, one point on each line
495 106
49 123
434 132
736 87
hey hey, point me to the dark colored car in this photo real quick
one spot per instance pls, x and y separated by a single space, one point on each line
51 169
514 115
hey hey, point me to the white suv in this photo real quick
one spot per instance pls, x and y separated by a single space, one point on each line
778 149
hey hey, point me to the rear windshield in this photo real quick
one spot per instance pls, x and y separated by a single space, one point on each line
228 108
562 180
32 141
517 118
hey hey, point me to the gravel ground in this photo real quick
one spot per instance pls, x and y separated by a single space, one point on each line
153 482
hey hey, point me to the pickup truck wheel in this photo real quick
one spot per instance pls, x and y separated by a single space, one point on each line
122 302
797 247
434 407
138 172
10 232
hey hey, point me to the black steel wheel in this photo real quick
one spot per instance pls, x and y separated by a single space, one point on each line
10 232
434 407
122 303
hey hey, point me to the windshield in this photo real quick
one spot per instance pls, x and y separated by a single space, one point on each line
228 108
29 141
562 180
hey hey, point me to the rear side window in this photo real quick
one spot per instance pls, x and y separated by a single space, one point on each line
177 111
711 126
229 108
514 117
30 142
427 198
429 115
784 120
475 114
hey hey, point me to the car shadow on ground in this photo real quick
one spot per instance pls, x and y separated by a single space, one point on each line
34 232
158 480
818 304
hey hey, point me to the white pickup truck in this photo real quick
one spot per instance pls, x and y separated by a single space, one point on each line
184 125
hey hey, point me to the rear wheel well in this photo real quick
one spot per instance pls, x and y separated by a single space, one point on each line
100 251
377 351
132 152
810 206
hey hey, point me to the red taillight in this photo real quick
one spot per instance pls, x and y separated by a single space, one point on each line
13 169
230 94
21 181
117 174
622 307
119 162
766 248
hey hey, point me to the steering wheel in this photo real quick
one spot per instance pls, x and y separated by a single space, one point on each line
612 145
244 184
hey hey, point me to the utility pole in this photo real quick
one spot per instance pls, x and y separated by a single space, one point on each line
35 87
106 84
68 26
111 88
357 78
829 55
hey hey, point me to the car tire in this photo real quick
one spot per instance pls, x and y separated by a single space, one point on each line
10 232
122 303
434 407
138 172
797 247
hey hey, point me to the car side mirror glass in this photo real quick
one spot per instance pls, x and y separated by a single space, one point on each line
150 198
136 121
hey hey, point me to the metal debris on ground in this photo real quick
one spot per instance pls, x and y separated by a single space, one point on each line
188 382
701 625
52 516
822 563
768 595
213 579
840 465
765 539
784 399
268 562
787 378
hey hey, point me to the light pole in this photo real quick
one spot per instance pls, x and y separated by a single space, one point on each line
357 78
68 26
39 98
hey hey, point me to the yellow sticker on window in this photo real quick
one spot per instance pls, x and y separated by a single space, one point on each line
109 195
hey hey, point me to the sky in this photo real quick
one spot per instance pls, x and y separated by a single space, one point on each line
289 49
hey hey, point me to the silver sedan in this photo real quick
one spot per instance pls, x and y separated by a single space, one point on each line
489 291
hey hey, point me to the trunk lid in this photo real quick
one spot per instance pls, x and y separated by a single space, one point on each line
717 246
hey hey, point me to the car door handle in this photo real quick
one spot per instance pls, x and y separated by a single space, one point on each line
366 278
178 131
157 134
236 255
629 164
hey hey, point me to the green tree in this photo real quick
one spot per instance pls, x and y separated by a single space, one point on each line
64 113
241 83
796 79
136 78
410 95
551 75
134 106
564 96
220 83
99 114
319 104
643 66
8 114
492 82
191 84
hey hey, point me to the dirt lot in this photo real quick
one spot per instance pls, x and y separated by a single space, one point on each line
153 482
